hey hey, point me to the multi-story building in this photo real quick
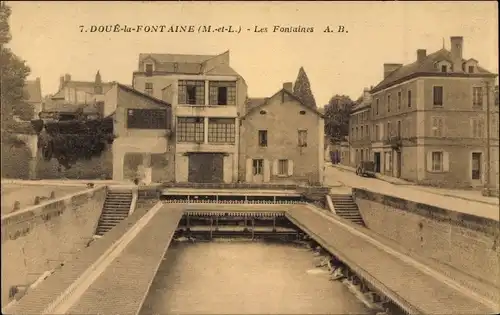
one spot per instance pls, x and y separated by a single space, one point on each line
360 130
429 120
282 140
77 96
207 97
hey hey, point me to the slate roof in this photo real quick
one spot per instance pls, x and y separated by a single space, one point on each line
252 102
85 86
260 102
425 67
32 91
134 91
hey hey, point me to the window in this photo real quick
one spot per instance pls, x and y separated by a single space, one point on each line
362 135
221 130
399 128
438 95
437 126
190 129
471 69
148 68
258 167
376 106
147 119
302 138
356 136
437 161
377 132
389 103
192 92
283 167
409 98
222 93
399 100
477 128
444 68
262 138
361 155
367 132
352 133
149 89
477 96
389 131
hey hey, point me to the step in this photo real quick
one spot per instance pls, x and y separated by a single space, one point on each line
117 201
118 198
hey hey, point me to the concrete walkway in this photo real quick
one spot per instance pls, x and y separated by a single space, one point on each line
453 203
471 195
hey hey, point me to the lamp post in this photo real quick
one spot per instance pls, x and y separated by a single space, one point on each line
486 190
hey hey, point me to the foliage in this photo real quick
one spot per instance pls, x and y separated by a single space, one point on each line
14 72
337 113
302 89
496 95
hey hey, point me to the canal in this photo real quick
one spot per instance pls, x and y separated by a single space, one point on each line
245 277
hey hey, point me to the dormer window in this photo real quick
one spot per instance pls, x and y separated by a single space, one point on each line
148 68
444 68
471 69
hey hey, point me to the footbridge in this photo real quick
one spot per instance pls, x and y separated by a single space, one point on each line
114 274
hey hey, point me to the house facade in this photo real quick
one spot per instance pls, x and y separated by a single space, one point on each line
360 130
430 120
207 96
282 140
143 145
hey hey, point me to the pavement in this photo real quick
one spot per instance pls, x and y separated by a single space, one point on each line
487 207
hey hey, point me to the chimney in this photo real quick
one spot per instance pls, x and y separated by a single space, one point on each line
366 95
288 86
421 54
67 77
457 43
390 68
61 82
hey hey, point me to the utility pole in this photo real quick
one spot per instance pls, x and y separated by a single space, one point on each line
488 146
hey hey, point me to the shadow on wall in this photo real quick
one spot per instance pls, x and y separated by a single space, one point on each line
15 159
96 168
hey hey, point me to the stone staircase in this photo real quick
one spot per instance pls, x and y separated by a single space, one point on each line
116 208
346 208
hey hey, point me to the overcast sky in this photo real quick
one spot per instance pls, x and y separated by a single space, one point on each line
48 36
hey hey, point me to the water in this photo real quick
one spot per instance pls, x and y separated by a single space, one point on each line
244 277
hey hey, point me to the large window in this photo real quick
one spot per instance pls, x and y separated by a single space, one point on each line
190 129
389 103
282 167
221 130
149 68
477 128
477 96
437 161
222 92
192 92
437 96
149 88
302 138
147 119
409 98
262 138
258 166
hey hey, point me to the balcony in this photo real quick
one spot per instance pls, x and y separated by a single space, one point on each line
395 142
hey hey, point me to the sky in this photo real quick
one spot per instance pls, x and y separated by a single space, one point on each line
48 36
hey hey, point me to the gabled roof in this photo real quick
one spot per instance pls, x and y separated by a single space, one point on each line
175 58
134 91
424 67
32 91
266 102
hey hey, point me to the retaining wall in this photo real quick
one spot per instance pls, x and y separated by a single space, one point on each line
38 238
466 242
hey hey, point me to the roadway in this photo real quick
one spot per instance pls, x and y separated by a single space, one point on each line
335 176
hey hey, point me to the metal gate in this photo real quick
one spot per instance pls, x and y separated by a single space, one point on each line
206 168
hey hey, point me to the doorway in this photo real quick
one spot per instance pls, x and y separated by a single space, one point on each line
258 170
398 164
206 168
376 158
476 170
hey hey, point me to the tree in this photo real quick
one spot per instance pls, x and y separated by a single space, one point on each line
14 72
302 89
337 113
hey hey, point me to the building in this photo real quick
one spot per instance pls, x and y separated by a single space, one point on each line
429 119
143 145
86 97
359 131
33 96
282 140
207 96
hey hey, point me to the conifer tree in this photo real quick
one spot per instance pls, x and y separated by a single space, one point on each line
302 89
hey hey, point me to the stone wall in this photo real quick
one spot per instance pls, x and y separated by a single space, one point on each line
38 238
465 242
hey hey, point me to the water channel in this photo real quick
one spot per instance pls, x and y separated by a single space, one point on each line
245 277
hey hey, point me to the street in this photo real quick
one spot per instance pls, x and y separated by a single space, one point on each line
413 193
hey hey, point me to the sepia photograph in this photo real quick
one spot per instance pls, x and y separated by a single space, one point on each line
250 157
